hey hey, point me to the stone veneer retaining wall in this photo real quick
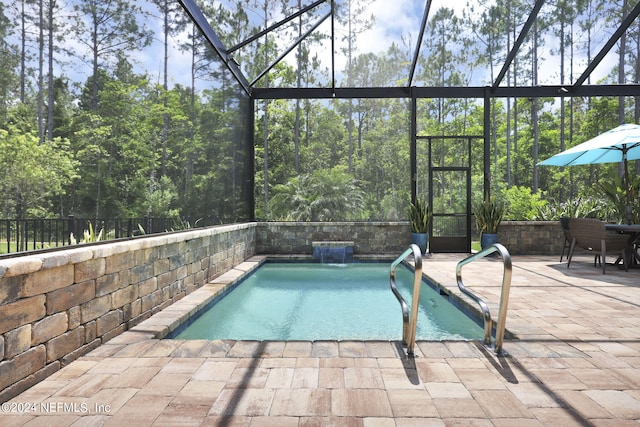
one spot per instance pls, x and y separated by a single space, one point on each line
56 306
531 237
519 237
297 237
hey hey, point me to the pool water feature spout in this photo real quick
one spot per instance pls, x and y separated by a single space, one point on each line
336 252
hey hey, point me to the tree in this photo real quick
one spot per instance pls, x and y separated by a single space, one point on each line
115 146
9 58
490 30
352 15
444 65
161 199
137 140
562 24
510 19
324 195
170 26
106 29
42 172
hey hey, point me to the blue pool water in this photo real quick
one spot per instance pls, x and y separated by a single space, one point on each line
290 301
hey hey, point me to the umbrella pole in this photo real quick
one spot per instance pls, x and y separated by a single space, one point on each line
627 185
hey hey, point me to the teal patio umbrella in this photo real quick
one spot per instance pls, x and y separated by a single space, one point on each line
619 144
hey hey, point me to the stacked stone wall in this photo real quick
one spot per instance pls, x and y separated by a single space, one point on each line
297 237
56 306
519 237
531 237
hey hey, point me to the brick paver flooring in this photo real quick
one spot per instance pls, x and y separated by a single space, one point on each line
575 361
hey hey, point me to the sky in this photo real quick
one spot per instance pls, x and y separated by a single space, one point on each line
394 19
405 17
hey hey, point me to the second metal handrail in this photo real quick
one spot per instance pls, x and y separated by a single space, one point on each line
504 296
409 324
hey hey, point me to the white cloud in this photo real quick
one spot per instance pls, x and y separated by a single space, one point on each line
393 21
390 24
403 17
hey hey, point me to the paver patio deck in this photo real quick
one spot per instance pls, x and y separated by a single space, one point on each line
575 361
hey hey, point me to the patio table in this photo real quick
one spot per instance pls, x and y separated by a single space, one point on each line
633 230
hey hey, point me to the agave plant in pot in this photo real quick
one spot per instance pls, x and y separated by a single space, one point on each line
420 215
488 215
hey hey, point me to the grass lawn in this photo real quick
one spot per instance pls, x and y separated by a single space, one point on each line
13 246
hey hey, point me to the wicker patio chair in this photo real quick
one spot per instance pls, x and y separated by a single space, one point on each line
564 225
590 234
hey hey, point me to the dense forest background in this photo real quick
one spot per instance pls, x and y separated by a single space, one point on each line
119 109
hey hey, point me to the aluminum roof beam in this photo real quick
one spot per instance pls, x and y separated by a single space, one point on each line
626 22
444 92
286 52
516 46
495 91
416 53
276 25
201 22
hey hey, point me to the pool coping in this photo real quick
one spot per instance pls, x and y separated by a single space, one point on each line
161 324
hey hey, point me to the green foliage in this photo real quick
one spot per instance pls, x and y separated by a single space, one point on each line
182 224
420 215
161 197
522 204
489 215
129 146
33 173
325 195
581 207
141 230
88 236
624 202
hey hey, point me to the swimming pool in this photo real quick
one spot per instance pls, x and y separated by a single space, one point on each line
309 301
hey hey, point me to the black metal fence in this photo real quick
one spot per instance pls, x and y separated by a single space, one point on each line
21 235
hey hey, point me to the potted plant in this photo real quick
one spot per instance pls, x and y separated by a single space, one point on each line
488 217
420 215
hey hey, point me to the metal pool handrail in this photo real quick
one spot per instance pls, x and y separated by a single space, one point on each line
504 295
408 324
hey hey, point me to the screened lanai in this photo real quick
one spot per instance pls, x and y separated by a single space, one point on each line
301 115
311 110
453 102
